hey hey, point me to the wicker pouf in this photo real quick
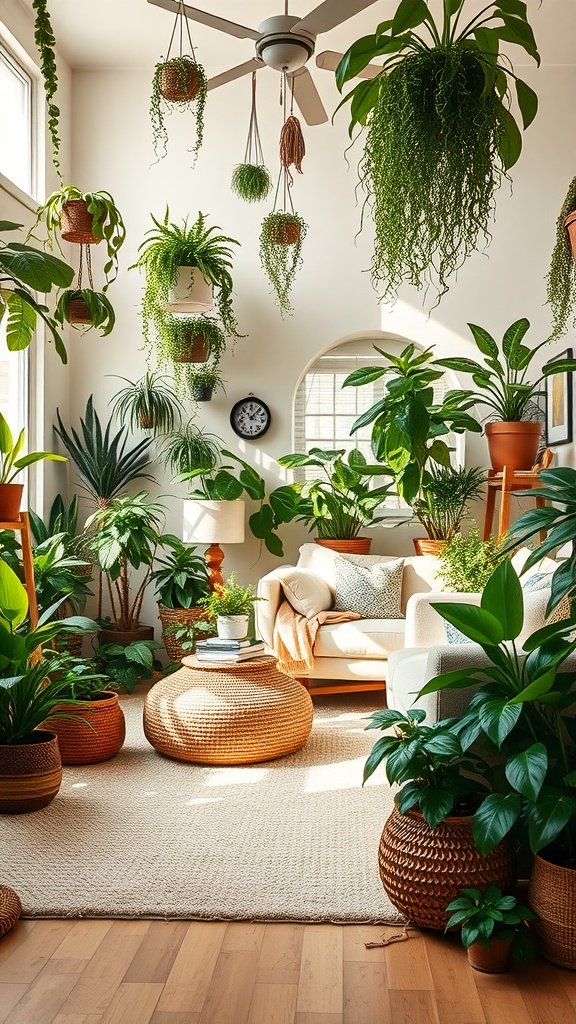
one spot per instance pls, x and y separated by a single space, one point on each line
10 909
227 714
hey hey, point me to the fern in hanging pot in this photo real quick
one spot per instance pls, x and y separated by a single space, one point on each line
281 238
179 83
439 136
561 280
251 179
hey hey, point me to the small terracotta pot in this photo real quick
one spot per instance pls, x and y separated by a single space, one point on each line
356 546
97 734
30 773
284 232
196 350
76 223
552 897
123 637
492 959
570 225
10 501
425 546
178 87
78 312
513 444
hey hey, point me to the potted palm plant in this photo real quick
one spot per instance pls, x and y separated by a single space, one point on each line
438 112
85 218
561 278
12 462
125 538
501 379
148 404
444 505
281 237
180 580
230 605
493 928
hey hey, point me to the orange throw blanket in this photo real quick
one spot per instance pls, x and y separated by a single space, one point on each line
294 637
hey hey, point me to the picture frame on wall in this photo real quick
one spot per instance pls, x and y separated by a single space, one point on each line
559 405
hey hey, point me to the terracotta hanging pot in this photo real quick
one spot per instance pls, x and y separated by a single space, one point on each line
552 896
10 502
284 232
78 312
30 773
355 546
513 444
425 546
195 350
191 292
123 637
570 225
495 958
179 83
76 223
97 734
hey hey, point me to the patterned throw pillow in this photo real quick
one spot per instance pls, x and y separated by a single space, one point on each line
539 581
455 635
375 591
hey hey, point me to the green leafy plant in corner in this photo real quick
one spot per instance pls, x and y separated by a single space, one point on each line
251 182
125 666
23 271
97 310
561 280
229 598
190 77
446 496
45 44
12 462
488 915
439 135
468 562
281 238
148 404
107 222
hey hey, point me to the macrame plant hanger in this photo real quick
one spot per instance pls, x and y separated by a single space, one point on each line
285 178
254 153
85 254
179 24
292 146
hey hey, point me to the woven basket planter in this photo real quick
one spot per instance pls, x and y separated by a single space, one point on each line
78 312
422 868
177 87
355 546
30 773
284 233
179 617
76 223
196 350
552 896
96 736
10 909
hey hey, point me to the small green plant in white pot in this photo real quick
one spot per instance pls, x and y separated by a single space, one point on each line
230 605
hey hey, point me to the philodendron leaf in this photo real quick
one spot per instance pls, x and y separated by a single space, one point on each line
494 819
548 817
503 597
526 771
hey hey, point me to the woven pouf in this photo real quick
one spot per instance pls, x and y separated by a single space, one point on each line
10 909
227 714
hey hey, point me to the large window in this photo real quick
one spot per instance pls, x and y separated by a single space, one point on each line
324 411
16 135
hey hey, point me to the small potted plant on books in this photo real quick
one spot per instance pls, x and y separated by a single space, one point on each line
494 928
230 605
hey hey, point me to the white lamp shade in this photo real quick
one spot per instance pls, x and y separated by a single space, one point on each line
213 522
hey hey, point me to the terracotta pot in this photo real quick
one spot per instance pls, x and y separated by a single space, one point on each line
552 896
179 617
284 232
191 292
513 444
76 223
425 546
178 84
196 350
30 773
96 735
570 225
422 869
10 501
123 637
355 546
78 312
492 959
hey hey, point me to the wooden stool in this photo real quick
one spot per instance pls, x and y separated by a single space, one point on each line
505 483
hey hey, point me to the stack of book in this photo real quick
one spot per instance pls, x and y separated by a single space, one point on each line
216 649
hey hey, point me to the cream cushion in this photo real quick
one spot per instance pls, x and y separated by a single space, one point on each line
305 591
363 638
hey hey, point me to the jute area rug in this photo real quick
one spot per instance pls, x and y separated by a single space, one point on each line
141 836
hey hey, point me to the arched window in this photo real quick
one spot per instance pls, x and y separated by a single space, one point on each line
324 411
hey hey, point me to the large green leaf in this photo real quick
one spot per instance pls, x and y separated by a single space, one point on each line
21 322
494 819
478 624
527 101
510 146
559 366
548 817
526 771
13 597
502 596
409 14
435 804
485 342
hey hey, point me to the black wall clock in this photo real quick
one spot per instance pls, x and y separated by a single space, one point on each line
250 418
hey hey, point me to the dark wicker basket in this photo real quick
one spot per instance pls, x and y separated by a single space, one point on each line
30 773
78 312
76 223
179 617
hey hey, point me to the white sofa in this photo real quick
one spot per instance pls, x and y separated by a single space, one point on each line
355 655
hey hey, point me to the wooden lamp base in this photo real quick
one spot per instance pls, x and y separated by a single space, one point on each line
214 559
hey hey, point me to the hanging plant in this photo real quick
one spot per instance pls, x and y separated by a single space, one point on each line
179 83
84 218
281 238
204 382
439 134
148 404
84 308
45 44
561 278
193 339
251 180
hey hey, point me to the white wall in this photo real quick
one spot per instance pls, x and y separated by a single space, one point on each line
332 297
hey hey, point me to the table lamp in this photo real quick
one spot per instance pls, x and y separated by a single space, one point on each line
213 523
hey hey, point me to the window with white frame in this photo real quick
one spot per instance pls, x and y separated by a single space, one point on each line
16 149
324 411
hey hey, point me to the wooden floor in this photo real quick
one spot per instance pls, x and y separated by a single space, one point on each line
156 972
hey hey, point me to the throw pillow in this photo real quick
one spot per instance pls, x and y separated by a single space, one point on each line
539 581
375 591
455 635
306 592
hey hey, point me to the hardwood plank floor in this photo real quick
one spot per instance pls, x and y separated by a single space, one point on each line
178 972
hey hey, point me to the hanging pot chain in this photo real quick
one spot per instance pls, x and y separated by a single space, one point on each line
254 153
85 254
178 23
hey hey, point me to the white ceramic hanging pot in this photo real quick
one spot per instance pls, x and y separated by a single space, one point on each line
232 627
191 292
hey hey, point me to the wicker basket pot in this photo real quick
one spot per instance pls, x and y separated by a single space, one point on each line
179 617
422 868
78 312
30 773
355 546
96 736
178 83
552 896
10 909
425 546
76 223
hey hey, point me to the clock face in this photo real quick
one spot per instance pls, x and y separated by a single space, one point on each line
250 418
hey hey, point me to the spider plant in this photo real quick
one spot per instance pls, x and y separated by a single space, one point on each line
148 404
189 449
83 308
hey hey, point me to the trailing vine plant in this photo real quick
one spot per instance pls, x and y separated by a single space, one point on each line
45 44
179 83
439 136
561 280
251 179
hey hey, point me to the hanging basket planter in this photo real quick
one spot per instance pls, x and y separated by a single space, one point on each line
284 231
196 350
76 223
179 81
251 179
570 225
77 312
281 238
203 383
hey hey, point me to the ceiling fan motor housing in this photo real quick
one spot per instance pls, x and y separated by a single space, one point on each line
282 49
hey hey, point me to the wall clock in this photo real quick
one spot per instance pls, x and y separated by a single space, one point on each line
250 418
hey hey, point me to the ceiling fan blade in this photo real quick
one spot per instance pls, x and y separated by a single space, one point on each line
329 14
307 97
211 20
329 60
241 69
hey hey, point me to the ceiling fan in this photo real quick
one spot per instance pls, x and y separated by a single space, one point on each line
284 43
